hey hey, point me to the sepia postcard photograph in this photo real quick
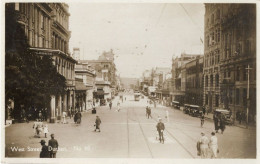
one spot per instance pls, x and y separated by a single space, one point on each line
129 81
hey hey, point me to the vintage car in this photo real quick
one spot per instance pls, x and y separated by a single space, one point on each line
176 104
227 114
186 109
195 111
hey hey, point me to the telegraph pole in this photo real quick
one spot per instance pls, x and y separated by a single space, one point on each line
247 109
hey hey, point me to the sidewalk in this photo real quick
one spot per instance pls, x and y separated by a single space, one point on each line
236 123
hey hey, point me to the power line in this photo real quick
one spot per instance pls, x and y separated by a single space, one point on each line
191 18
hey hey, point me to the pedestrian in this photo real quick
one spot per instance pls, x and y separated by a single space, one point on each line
118 106
147 108
149 112
53 146
203 109
64 114
97 123
154 104
160 128
125 98
215 118
213 145
40 115
45 151
202 119
203 141
110 104
77 117
222 123
239 117
45 130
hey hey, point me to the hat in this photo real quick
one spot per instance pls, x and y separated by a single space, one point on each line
42 141
213 133
52 134
202 133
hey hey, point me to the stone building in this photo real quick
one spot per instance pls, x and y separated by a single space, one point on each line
230 47
46 26
194 81
179 76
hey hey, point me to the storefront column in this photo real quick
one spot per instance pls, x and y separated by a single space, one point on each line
65 102
52 105
59 108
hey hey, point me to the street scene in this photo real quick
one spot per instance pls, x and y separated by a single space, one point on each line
130 80
130 134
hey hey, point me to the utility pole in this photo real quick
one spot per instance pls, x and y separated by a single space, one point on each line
247 109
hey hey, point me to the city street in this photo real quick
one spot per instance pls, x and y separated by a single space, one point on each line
129 134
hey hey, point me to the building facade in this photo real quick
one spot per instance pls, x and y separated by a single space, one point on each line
46 27
230 48
194 82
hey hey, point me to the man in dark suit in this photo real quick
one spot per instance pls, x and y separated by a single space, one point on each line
53 146
45 152
160 128
98 122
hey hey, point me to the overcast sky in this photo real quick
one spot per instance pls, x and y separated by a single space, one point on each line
142 35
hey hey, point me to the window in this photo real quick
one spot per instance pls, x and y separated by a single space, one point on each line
237 96
212 19
217 80
218 14
211 80
238 74
206 99
229 73
230 96
217 100
206 81
244 73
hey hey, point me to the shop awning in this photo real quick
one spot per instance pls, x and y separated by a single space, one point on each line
80 86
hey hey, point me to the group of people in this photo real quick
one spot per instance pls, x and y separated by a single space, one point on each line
219 122
50 150
207 148
40 128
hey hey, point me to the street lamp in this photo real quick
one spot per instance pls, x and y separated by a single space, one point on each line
247 109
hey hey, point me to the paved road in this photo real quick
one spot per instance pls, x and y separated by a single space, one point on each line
129 134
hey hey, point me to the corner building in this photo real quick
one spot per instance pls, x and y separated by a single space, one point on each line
230 47
46 27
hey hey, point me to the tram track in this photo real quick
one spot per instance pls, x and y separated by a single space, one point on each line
145 138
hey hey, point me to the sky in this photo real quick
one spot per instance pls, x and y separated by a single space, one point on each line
142 35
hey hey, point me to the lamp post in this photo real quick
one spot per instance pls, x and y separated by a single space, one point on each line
247 109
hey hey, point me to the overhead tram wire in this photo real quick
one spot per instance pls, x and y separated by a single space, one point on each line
191 18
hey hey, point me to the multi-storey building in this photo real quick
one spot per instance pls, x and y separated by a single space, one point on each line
179 76
46 27
194 81
230 47
85 87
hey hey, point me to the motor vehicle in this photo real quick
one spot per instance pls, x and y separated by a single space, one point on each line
195 111
137 96
103 102
186 109
226 113
176 104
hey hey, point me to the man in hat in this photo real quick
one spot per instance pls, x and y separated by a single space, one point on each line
98 122
203 141
160 128
53 146
45 152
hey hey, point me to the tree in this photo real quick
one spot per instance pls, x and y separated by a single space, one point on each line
30 79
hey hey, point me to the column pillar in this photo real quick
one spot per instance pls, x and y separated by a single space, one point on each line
65 102
52 105
59 107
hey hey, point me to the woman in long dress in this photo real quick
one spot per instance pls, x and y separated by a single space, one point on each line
213 145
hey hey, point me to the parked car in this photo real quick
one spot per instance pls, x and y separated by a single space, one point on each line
227 114
186 109
195 111
176 104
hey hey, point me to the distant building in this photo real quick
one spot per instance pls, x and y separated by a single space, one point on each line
76 53
194 81
179 76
